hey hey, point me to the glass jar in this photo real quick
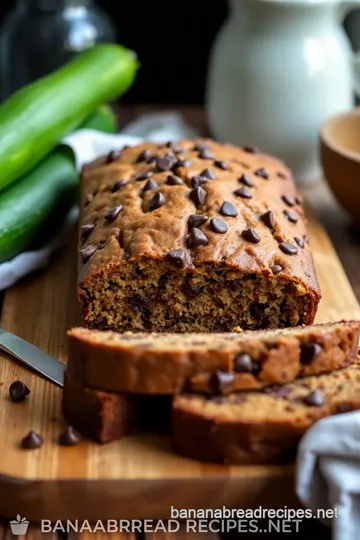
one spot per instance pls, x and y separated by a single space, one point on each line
38 36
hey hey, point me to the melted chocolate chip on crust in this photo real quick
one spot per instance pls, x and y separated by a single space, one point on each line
164 163
268 219
144 175
205 154
197 238
220 380
291 216
243 192
243 364
276 269
113 213
196 220
262 173
228 209
186 163
197 181
87 252
113 156
157 201
246 180
150 184
145 155
117 185
173 180
218 225
221 165
309 353
300 242
201 146
86 230
315 399
288 249
208 173
290 201
250 235
198 195
177 257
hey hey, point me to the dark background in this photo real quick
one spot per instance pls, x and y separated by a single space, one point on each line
172 39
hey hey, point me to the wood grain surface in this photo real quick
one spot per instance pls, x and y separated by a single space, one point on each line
138 477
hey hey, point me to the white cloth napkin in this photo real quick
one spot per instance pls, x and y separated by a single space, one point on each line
328 472
87 145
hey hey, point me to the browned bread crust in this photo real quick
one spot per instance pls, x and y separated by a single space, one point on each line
106 417
258 427
195 236
209 363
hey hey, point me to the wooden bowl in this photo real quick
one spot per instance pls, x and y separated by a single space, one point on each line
340 156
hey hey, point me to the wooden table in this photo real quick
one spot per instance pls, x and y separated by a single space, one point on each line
346 243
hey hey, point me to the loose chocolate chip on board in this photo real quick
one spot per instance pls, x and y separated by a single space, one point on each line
246 180
177 257
250 235
220 380
243 364
113 156
18 391
150 184
268 219
208 173
31 441
197 181
218 226
144 175
113 213
276 269
198 195
309 352
290 201
243 192
197 238
300 242
157 201
173 180
262 173
315 399
201 146
288 249
87 252
86 230
186 163
291 216
195 220
221 164
228 209
145 155
206 154
117 185
164 163
70 437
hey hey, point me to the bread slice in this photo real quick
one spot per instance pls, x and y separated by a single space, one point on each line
260 427
208 363
106 417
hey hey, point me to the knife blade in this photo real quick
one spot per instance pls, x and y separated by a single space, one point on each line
31 356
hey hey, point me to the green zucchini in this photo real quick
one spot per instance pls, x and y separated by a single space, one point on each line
37 117
32 209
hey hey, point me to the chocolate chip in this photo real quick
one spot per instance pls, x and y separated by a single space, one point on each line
276 269
197 238
86 230
113 156
306 238
87 252
173 180
70 437
243 364
150 184
315 399
197 181
250 149
243 192
246 180
300 242
343 407
282 175
162 282
101 244
262 173
206 154
18 391
164 163
221 164
186 163
175 147
208 174
31 441
157 201
218 226
117 185
228 209
195 220
144 175
198 195
192 291
177 257
145 155
309 352
89 197
290 201
251 235
298 199
288 249
268 219
201 146
291 216
220 380
113 213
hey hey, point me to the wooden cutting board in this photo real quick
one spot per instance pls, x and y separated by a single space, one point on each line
138 477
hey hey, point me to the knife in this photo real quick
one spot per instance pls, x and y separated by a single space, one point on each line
31 356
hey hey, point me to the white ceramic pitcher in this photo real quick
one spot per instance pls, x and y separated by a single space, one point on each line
278 69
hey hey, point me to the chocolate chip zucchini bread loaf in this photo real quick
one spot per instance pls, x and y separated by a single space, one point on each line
193 236
210 363
106 417
260 427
